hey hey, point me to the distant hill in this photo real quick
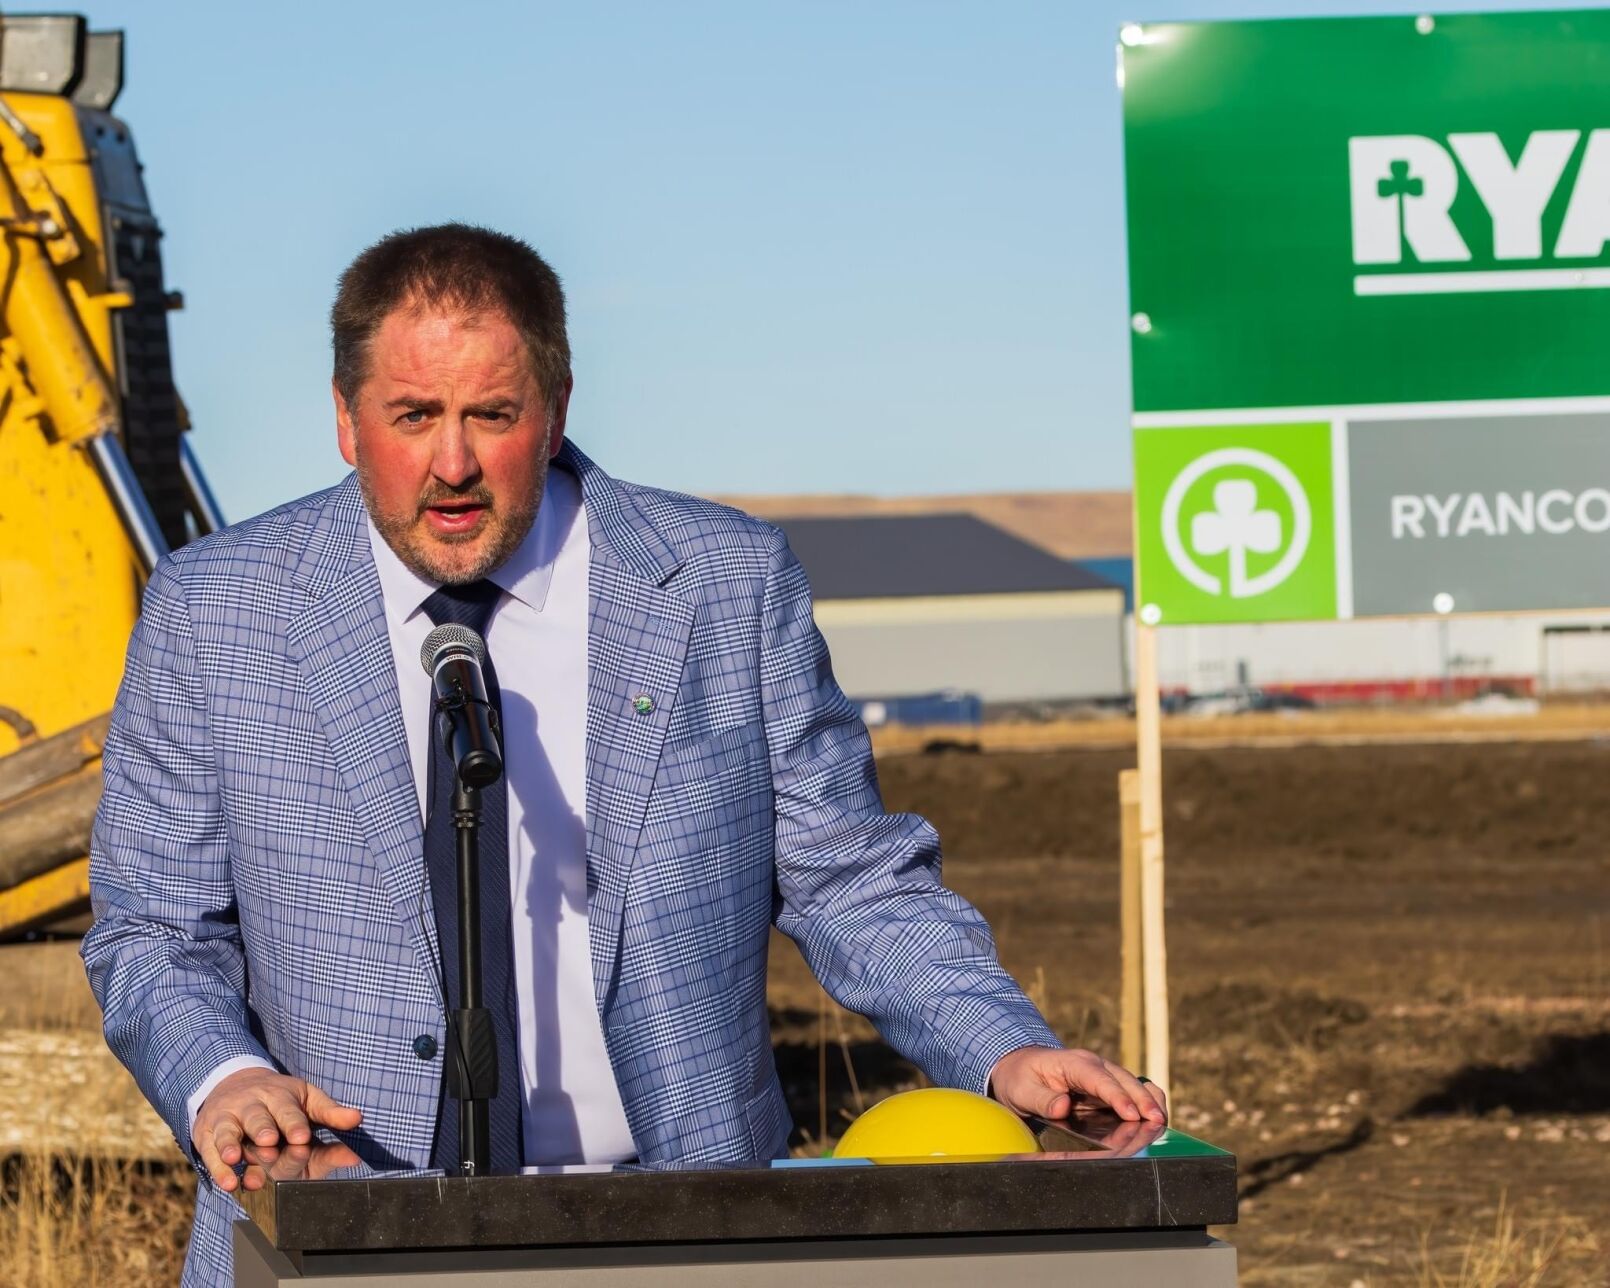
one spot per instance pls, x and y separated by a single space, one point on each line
1074 525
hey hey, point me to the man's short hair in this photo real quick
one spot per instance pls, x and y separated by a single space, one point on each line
452 267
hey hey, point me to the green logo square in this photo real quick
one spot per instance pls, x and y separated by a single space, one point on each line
1234 523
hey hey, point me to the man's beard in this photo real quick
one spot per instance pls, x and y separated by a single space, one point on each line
455 559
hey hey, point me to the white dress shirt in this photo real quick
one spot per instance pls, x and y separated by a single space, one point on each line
538 641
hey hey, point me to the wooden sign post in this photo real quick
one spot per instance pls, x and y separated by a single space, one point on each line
1154 955
1131 1048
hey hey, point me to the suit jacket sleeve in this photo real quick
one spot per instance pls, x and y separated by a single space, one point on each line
860 888
164 955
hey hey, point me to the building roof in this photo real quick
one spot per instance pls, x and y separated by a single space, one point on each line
891 556
1075 525
1118 570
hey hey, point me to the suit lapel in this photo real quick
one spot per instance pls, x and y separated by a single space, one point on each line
339 640
637 640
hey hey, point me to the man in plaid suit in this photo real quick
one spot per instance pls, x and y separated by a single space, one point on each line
264 948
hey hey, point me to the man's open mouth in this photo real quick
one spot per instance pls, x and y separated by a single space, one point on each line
455 516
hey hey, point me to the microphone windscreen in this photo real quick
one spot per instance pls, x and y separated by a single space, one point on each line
451 637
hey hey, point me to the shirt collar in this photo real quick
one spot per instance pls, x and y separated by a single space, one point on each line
525 575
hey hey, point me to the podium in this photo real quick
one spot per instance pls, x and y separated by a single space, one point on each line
1084 1212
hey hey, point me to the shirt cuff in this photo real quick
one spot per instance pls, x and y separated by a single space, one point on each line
199 1096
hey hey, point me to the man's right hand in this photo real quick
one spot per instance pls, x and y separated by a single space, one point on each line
266 1109
295 1163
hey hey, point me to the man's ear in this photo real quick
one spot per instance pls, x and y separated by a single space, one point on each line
556 425
346 432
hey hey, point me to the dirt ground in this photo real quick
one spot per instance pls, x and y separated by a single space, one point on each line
1390 979
1391 985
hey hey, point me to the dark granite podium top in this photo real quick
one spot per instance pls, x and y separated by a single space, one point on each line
1096 1175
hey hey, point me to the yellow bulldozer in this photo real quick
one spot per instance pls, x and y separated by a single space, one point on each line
97 479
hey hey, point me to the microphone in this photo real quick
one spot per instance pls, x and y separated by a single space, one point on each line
453 656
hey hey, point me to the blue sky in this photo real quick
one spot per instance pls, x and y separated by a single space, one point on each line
836 246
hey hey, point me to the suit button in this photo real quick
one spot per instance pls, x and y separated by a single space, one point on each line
425 1047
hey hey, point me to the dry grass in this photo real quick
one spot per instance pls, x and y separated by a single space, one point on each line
1554 722
92 1190
83 1221
1507 1256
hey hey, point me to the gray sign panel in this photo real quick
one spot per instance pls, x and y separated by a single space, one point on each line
1493 512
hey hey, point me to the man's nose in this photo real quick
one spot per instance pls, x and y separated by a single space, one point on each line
454 462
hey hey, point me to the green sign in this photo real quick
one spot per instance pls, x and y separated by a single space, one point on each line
1236 521
1370 286
1373 210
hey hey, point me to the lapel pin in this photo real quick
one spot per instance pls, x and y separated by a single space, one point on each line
642 704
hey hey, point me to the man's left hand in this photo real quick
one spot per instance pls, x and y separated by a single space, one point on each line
1048 1082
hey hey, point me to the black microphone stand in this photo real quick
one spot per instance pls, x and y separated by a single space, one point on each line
472 1070
472 1077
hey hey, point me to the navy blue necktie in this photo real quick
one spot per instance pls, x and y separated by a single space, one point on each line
471 605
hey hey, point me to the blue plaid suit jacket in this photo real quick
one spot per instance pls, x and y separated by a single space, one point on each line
257 872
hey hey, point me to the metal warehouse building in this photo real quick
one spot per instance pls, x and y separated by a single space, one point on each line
1365 660
913 604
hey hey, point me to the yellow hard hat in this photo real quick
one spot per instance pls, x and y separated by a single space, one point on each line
936 1124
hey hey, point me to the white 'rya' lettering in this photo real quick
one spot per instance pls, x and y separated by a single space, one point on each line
1403 188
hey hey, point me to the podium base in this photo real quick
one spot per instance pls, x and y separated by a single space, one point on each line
1184 1259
